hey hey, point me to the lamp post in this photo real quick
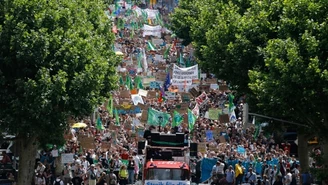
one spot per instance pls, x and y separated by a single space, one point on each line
160 120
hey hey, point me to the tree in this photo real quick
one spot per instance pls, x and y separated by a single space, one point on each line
55 62
276 51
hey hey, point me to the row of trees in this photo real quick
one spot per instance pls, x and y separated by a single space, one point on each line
56 61
273 50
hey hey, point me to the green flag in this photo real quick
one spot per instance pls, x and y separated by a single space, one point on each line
128 82
191 120
121 81
231 104
110 106
99 125
177 119
157 118
150 46
117 118
138 82
167 52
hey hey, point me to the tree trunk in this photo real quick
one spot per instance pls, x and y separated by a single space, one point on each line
59 166
303 152
28 147
325 152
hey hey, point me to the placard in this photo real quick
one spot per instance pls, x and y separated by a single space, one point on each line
212 148
143 92
185 97
213 113
144 116
160 76
205 88
201 147
155 85
223 88
209 135
67 158
137 99
194 92
170 95
224 118
151 94
125 94
86 142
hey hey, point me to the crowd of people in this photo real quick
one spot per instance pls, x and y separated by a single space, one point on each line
245 155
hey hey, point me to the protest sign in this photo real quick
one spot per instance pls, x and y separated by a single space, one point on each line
155 85
213 113
127 109
203 75
223 88
224 118
209 135
184 76
140 132
143 92
212 80
67 158
157 41
143 106
144 116
86 142
151 94
214 86
152 30
170 95
160 76
213 148
105 145
201 147
137 99
205 88
125 94
185 97
194 92
159 58
146 81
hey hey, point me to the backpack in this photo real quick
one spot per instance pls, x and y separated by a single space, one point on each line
93 176
58 182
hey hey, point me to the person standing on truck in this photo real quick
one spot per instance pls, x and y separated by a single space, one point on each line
5 158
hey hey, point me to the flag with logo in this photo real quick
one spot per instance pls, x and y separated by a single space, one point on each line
157 118
195 110
177 119
191 120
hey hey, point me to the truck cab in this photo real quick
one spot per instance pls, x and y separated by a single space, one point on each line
166 160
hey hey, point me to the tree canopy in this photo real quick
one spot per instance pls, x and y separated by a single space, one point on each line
274 50
55 61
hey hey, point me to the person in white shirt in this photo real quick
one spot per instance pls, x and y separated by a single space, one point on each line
40 168
218 171
85 163
288 177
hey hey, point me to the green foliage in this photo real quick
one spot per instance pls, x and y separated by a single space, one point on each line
55 61
276 51
295 77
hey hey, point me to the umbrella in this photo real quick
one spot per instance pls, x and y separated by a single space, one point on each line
118 53
79 125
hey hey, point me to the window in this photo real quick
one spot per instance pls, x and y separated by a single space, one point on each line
167 174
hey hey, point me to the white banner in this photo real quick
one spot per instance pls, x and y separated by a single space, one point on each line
152 30
166 182
151 14
184 76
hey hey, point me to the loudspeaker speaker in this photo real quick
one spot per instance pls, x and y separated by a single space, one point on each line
141 146
193 149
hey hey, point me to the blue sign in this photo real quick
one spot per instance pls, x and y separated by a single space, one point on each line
209 135
134 110
155 85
